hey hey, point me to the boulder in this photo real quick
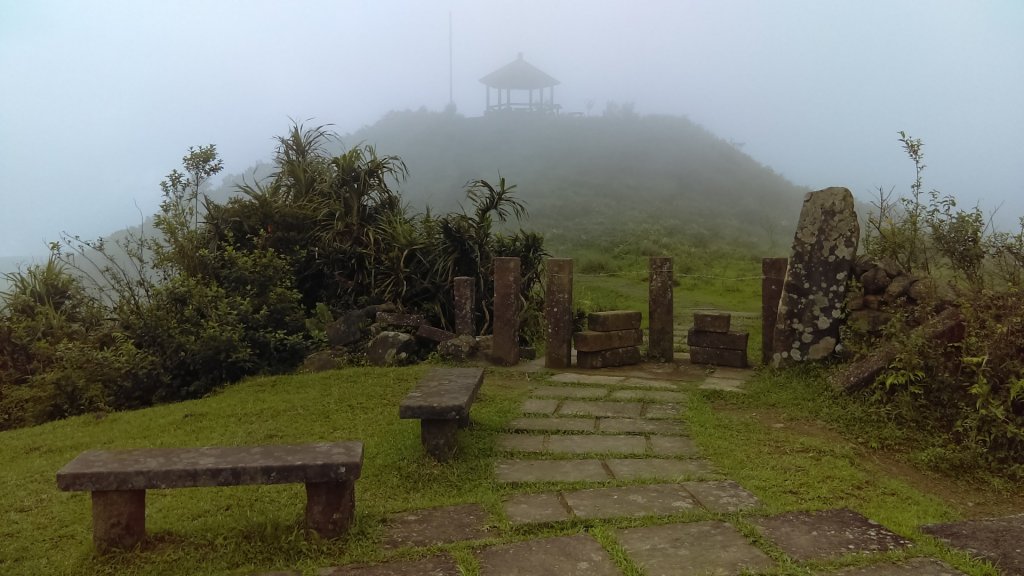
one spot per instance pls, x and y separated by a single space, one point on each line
875 280
391 349
321 362
458 349
351 327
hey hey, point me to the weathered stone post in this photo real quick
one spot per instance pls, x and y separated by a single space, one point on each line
558 313
813 302
773 274
660 312
507 282
465 304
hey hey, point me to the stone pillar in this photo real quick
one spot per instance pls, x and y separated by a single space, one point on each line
558 313
507 282
118 519
330 507
773 274
813 302
465 306
660 313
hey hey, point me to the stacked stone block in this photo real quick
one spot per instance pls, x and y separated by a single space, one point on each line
612 339
711 341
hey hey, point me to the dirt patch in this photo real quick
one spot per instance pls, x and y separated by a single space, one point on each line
969 499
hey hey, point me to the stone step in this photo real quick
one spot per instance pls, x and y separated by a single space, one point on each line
653 445
594 470
596 425
599 408
720 496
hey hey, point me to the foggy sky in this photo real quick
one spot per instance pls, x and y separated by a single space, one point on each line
101 99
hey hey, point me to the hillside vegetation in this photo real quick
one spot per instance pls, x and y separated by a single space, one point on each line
598 178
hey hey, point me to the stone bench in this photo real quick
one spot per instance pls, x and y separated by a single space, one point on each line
119 479
441 402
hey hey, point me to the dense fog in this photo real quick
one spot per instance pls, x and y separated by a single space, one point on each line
101 100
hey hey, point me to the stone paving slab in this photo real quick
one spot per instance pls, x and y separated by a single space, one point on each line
586 378
522 442
630 501
914 567
539 406
578 555
998 540
638 426
662 411
533 508
605 444
648 384
599 408
827 534
512 471
692 549
722 496
723 384
658 468
433 566
549 424
585 393
648 395
436 526
673 446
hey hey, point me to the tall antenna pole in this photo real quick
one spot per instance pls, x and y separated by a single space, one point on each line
451 66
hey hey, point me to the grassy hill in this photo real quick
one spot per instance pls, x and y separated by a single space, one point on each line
600 178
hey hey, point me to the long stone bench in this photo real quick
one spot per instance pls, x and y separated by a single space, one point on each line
441 402
118 480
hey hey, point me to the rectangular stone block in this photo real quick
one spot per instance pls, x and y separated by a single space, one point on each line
613 320
507 282
711 321
399 319
558 313
718 357
433 334
590 341
465 305
608 358
660 315
723 340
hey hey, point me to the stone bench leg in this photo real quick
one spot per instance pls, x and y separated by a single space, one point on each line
438 438
118 519
330 507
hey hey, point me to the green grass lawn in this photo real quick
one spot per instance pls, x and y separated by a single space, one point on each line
239 530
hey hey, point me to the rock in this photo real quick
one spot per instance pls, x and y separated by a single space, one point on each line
899 287
484 347
608 358
862 264
875 281
718 357
428 332
391 349
321 362
870 321
872 302
945 328
459 349
854 302
591 341
814 295
400 320
351 327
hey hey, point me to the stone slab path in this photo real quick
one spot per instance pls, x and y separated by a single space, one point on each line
591 451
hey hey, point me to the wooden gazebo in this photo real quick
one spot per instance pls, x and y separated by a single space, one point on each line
520 86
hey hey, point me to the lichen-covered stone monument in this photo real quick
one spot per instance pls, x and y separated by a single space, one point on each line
812 306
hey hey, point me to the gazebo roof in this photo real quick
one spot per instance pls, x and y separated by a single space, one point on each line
518 75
